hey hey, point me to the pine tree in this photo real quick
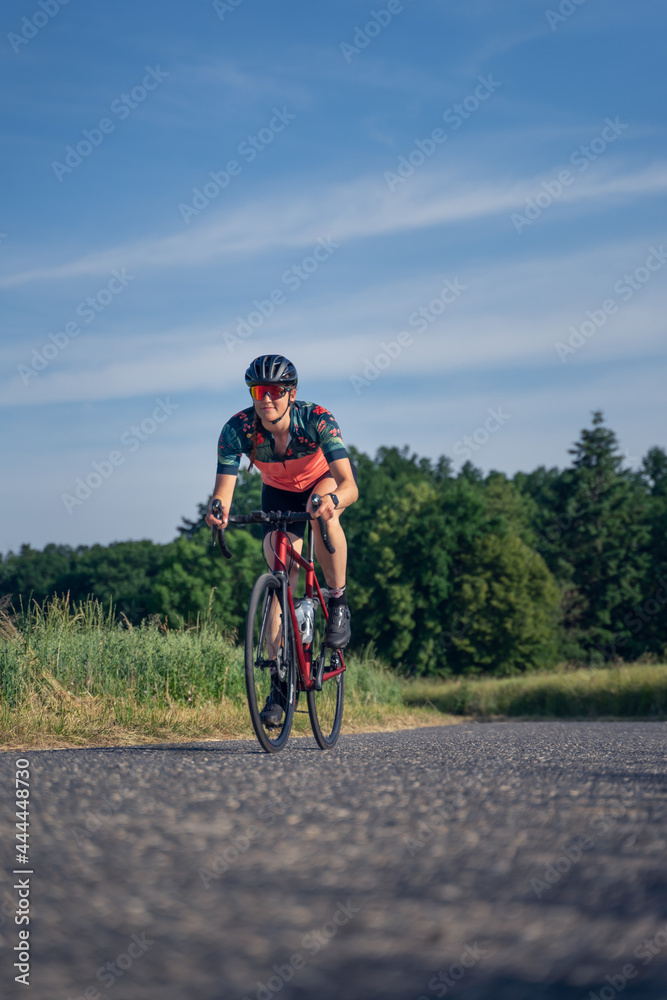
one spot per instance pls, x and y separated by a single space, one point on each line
602 511
653 610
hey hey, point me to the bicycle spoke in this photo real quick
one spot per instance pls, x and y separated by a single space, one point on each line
269 666
325 707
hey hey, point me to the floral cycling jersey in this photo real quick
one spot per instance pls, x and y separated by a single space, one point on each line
314 440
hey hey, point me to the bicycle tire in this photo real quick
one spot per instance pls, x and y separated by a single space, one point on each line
325 707
258 653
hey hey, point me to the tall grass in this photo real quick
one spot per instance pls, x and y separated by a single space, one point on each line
83 649
74 673
368 680
635 691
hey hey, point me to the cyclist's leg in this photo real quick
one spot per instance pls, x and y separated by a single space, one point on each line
271 714
334 567
275 499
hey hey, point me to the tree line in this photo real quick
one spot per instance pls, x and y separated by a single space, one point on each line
448 573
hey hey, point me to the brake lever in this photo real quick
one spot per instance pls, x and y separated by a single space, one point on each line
316 500
218 534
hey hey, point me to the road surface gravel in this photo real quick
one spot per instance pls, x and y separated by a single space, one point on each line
500 861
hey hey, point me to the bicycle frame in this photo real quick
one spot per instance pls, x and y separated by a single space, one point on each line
284 550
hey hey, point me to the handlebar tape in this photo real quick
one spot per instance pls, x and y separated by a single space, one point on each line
261 516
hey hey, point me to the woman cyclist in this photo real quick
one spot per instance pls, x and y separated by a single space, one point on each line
298 449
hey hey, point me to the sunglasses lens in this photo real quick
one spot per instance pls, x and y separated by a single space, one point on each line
274 391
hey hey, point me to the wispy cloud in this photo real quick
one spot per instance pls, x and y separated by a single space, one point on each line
355 210
509 318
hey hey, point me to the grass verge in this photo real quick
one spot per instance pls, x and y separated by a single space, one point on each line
637 691
72 676
85 722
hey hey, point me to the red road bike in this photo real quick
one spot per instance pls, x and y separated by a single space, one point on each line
284 637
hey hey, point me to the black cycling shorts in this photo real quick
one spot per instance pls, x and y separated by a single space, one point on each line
275 499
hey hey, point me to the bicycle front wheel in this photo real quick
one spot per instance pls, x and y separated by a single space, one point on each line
269 664
325 707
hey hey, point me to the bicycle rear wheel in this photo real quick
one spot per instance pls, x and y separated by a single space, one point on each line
269 661
325 707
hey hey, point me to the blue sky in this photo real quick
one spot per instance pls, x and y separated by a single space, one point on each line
131 301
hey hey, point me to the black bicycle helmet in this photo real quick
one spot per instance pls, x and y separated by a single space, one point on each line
271 369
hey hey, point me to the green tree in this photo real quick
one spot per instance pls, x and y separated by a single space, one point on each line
541 489
423 586
507 603
509 511
447 574
122 572
651 634
402 579
247 497
398 577
195 580
32 573
601 509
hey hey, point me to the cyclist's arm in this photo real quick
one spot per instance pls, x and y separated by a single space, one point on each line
333 449
222 491
346 488
233 442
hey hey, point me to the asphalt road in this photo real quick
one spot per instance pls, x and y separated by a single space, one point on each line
496 861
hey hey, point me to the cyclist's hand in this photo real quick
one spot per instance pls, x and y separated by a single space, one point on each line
325 509
216 522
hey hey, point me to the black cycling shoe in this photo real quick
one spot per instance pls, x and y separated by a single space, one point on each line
338 632
272 713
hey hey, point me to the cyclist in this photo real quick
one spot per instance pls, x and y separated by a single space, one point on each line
299 451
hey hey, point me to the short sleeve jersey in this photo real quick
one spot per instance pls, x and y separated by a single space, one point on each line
314 441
